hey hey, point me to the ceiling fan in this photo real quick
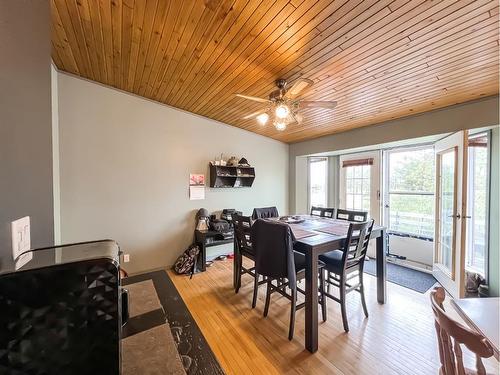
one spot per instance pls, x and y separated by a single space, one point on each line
283 105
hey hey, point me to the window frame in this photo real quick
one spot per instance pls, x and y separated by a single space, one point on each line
386 188
376 172
315 159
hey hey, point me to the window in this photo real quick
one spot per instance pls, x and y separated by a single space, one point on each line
357 180
318 176
477 203
409 190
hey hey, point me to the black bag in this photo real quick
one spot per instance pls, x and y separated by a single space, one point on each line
186 263
219 225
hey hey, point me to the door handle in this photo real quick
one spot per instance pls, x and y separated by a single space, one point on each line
467 217
457 216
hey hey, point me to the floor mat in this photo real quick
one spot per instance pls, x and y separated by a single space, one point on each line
407 277
167 304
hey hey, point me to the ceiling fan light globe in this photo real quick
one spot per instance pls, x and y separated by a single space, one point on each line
282 111
280 125
262 118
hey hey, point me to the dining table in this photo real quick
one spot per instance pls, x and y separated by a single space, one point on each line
482 315
315 236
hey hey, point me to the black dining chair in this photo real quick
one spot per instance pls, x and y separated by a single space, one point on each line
344 265
316 211
328 212
350 215
276 260
264 213
243 248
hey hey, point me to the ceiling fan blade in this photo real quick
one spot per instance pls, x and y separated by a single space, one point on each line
254 98
254 114
326 104
299 85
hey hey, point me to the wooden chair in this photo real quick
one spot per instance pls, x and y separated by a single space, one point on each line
277 261
243 248
451 335
349 215
264 213
347 264
316 211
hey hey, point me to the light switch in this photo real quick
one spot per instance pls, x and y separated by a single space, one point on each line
21 238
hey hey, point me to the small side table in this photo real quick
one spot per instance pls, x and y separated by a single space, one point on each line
208 238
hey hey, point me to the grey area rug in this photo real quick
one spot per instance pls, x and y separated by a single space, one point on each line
149 347
164 331
407 277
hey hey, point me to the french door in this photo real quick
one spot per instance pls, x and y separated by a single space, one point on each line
359 187
451 213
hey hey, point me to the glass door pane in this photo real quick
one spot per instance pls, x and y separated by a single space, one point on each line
477 202
447 209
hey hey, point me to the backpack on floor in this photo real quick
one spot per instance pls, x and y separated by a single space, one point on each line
186 263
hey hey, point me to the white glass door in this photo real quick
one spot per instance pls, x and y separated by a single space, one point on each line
450 212
359 187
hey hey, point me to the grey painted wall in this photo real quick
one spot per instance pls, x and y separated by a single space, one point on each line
125 164
25 121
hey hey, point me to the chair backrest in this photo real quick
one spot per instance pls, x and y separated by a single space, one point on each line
356 244
351 215
273 247
242 232
328 212
316 211
264 213
451 334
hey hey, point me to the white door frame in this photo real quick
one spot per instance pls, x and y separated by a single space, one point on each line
452 280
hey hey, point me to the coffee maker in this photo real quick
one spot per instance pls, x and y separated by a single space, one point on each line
202 219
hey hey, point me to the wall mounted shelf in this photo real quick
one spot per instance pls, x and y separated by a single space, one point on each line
223 176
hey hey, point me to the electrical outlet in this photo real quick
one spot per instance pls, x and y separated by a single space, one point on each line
126 258
21 238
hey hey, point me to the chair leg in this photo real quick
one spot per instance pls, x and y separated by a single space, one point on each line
328 284
362 292
255 289
293 308
322 293
342 303
238 273
268 297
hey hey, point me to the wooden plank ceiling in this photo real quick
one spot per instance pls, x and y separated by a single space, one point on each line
379 59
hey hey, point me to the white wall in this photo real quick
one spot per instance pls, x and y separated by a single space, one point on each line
125 164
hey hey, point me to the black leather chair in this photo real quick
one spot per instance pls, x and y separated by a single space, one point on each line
316 211
344 265
264 213
243 248
349 215
277 261
328 212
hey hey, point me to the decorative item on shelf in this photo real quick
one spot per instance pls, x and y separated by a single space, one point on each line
232 162
243 163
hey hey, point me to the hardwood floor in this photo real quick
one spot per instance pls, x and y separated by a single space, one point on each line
397 338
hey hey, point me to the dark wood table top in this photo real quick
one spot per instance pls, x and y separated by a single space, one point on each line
482 315
315 231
